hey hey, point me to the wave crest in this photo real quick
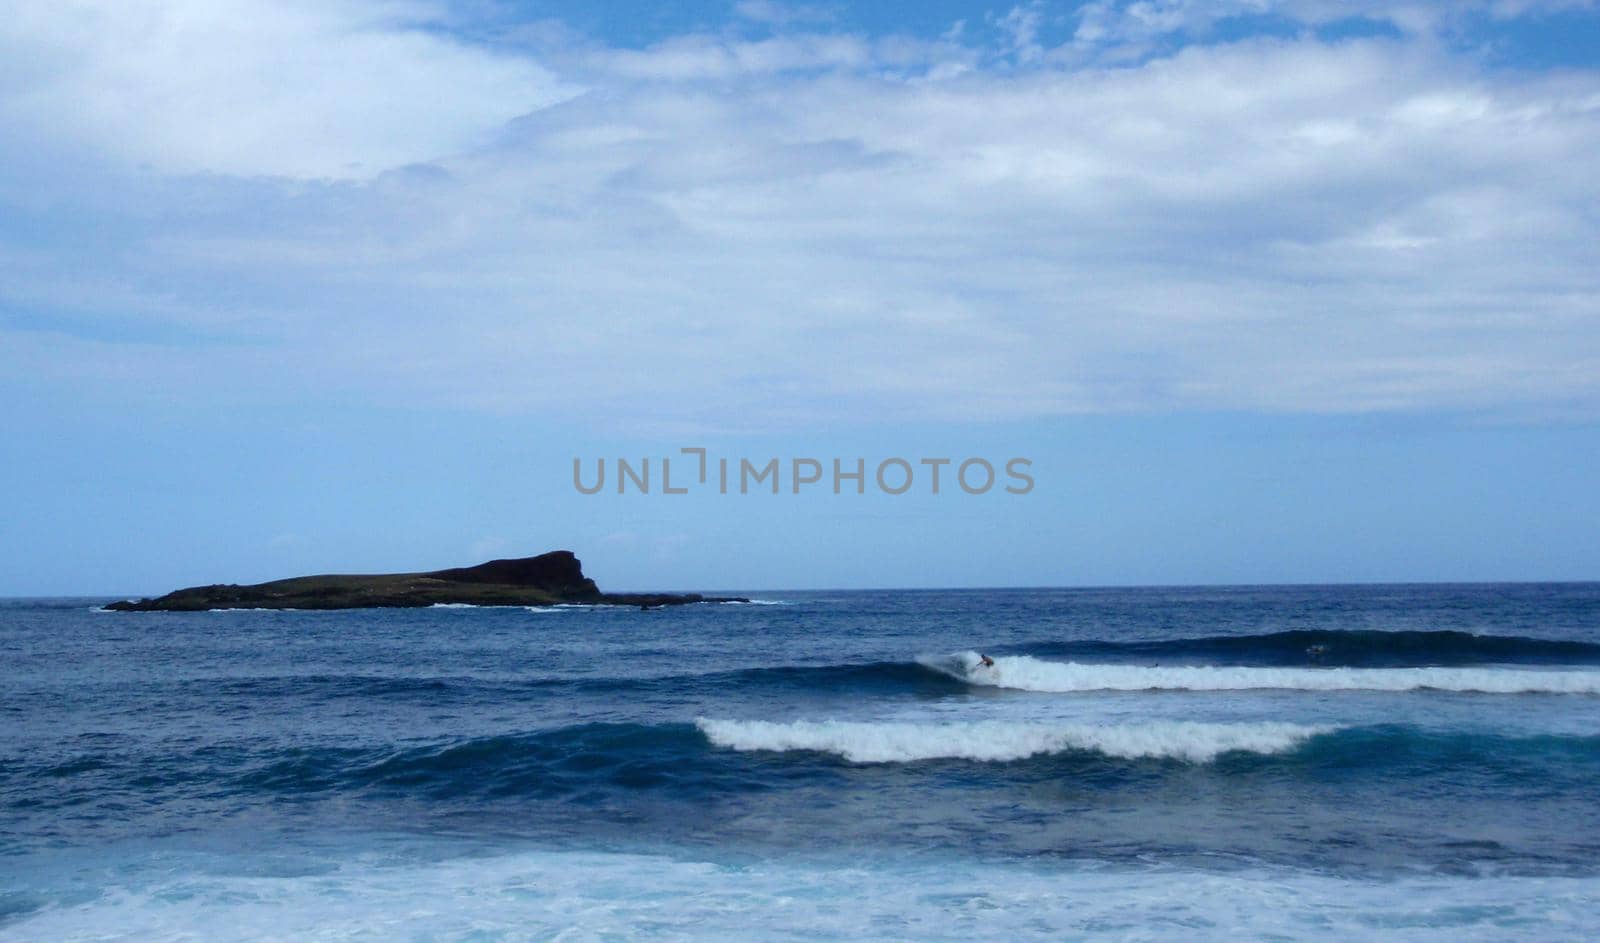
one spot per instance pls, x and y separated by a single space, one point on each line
1026 673
995 741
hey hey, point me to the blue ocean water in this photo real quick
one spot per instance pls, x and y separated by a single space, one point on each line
1410 762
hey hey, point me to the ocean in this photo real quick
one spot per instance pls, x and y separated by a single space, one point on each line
1416 762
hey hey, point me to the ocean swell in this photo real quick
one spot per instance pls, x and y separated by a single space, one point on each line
1353 648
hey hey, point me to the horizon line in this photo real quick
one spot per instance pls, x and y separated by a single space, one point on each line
1081 587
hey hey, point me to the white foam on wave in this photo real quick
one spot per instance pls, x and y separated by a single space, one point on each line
554 607
1001 741
584 895
1025 673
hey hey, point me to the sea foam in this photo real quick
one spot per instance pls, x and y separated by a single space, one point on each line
1025 673
1000 741
593 895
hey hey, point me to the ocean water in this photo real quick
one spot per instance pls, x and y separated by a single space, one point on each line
1286 763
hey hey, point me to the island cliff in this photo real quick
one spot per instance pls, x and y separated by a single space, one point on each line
555 577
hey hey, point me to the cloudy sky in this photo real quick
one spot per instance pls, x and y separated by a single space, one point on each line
1268 289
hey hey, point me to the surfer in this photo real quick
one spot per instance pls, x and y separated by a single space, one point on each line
984 661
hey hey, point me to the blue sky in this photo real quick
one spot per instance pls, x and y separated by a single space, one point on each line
1268 290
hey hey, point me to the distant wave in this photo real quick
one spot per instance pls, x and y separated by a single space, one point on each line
928 676
998 741
555 607
1026 673
1334 647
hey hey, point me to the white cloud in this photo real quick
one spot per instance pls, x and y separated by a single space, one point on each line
701 57
1266 225
297 88
1132 21
1020 26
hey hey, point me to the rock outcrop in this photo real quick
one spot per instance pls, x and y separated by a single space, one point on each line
547 579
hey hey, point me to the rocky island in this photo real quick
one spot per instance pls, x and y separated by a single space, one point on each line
547 579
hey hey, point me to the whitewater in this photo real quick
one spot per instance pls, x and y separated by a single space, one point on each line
994 741
1293 763
1025 673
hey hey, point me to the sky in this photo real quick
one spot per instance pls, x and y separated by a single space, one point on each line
1262 290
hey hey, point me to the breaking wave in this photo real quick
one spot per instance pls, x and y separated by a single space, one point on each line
1026 673
996 741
